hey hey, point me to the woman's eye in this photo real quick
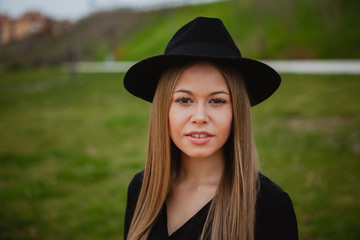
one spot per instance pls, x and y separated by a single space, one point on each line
218 101
183 100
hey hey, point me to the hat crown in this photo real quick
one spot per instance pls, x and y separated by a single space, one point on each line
209 31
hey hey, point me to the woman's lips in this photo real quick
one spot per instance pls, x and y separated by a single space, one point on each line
199 137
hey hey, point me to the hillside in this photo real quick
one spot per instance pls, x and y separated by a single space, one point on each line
285 29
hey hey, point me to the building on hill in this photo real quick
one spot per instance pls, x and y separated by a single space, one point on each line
5 29
28 24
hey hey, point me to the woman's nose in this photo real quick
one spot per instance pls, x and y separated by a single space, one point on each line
200 115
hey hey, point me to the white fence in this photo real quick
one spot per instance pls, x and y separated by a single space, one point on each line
316 66
282 66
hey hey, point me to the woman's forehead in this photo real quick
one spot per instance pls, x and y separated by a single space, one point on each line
201 76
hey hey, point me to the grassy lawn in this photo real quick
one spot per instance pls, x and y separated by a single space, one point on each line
70 146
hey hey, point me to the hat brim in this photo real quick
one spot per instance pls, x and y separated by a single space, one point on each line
260 79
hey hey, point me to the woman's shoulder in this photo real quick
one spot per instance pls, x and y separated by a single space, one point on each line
132 198
133 195
275 215
137 179
133 191
135 184
268 186
273 199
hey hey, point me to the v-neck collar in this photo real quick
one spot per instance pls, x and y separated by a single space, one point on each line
197 216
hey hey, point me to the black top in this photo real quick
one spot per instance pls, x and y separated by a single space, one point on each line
275 216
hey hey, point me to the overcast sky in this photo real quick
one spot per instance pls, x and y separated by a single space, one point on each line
75 9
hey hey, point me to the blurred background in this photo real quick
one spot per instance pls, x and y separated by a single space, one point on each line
72 138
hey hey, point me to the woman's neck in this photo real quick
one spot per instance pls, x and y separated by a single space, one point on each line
198 171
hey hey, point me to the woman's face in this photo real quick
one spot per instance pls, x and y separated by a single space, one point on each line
200 113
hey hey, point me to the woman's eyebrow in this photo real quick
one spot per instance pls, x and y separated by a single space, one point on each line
219 92
183 91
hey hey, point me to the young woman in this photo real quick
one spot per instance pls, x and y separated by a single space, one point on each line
201 179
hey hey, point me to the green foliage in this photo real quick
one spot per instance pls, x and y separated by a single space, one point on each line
71 144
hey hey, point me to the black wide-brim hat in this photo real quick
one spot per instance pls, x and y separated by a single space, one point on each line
202 39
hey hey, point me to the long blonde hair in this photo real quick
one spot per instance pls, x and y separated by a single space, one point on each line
232 211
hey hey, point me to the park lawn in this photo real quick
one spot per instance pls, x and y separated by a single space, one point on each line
70 144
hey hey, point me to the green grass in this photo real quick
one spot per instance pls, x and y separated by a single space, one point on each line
68 150
308 138
70 146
